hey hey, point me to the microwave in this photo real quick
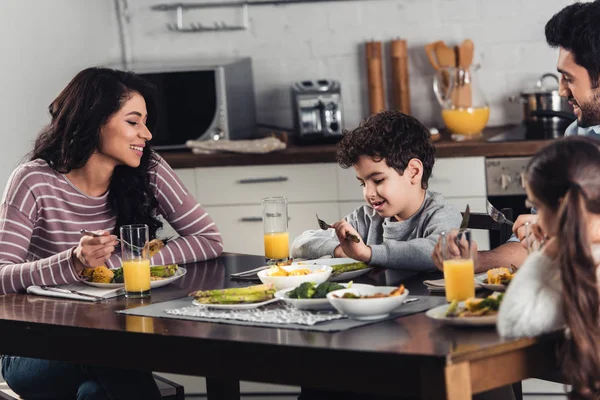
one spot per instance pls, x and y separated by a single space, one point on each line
211 100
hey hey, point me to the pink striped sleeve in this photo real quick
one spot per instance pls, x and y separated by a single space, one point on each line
16 274
199 237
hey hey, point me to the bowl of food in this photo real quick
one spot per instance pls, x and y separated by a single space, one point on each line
368 303
310 296
293 275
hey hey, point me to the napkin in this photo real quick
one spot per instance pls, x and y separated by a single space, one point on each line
439 285
82 288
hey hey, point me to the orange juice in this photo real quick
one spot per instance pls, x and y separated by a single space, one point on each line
277 245
466 121
459 276
133 323
137 275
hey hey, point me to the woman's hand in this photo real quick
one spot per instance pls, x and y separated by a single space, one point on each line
359 251
94 251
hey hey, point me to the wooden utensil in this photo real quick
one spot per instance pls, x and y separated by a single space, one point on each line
431 54
375 77
465 59
401 91
446 57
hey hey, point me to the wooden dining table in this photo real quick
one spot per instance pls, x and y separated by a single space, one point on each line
412 356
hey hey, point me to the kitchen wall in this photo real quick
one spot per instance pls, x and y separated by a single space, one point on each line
295 42
43 45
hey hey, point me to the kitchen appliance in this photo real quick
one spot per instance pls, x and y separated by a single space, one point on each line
546 114
208 100
317 107
505 182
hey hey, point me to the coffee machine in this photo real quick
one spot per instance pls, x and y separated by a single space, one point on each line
317 111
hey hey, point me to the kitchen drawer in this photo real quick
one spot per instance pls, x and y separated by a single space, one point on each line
248 185
459 177
242 229
452 177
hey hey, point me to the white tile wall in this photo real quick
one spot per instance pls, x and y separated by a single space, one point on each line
294 42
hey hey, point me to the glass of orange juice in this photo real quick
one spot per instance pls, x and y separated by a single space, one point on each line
136 260
459 270
275 223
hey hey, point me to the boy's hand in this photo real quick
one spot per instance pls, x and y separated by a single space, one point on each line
359 251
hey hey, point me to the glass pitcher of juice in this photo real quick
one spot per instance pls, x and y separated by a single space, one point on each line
465 110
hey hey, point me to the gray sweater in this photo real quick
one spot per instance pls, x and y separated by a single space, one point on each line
404 248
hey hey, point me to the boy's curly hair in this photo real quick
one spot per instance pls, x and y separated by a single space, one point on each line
391 136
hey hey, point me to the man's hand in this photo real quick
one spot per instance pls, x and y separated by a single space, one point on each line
359 251
452 250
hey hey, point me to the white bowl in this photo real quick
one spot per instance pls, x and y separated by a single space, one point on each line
366 309
309 304
320 273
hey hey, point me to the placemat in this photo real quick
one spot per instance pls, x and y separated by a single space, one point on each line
340 323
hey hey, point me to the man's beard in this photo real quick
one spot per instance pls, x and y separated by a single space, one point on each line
590 112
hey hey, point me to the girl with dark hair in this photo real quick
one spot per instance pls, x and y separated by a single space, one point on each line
558 286
92 168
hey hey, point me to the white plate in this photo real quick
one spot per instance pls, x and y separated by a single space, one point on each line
310 304
242 306
153 284
493 287
336 261
439 314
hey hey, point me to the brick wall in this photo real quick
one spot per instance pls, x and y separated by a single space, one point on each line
295 42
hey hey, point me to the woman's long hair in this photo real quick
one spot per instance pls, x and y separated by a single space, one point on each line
565 177
73 135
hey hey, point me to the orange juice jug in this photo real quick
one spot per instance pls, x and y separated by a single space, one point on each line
459 277
465 110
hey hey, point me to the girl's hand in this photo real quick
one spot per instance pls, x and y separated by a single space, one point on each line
359 251
94 251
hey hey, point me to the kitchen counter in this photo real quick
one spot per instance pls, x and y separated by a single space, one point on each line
294 154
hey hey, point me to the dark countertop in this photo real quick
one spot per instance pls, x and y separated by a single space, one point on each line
325 153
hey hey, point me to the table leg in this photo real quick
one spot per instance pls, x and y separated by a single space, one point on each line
222 389
458 381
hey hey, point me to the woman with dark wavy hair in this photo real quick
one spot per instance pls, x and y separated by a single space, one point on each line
558 286
92 168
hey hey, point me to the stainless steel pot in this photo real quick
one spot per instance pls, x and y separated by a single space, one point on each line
545 112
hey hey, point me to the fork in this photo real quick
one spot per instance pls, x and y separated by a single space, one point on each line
497 214
324 225
90 233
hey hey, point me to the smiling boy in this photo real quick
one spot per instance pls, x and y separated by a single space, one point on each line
393 157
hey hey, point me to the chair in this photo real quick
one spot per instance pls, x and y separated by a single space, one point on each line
499 233
169 390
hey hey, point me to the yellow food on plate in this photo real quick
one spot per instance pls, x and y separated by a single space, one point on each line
278 271
499 276
102 274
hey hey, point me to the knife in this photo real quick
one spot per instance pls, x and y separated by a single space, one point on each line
465 220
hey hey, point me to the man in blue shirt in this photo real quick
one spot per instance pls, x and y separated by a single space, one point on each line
575 31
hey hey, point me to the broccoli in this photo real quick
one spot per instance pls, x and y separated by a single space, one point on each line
326 287
118 275
304 291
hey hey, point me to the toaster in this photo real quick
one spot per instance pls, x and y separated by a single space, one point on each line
317 107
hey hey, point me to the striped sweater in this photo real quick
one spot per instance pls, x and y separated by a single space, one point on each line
41 214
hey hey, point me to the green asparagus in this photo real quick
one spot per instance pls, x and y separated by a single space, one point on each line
234 291
235 299
341 268
163 271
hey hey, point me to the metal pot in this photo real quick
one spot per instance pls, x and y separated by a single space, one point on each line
545 112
